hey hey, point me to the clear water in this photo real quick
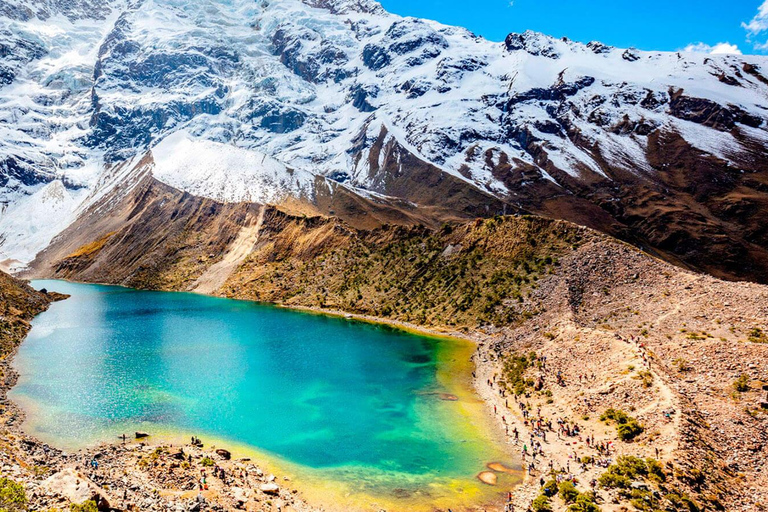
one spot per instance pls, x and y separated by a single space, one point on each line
345 405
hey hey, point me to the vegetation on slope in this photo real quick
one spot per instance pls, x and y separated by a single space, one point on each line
19 303
462 276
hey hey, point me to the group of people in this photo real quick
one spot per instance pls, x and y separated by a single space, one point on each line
532 451
218 472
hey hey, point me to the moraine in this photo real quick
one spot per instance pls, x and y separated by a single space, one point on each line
352 410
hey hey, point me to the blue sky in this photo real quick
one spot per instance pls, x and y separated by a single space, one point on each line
703 25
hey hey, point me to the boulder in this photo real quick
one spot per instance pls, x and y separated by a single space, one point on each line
141 435
76 488
240 496
270 488
224 454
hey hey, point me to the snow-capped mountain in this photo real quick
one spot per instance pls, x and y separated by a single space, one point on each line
265 100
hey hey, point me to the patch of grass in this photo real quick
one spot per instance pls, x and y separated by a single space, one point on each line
741 384
756 335
207 462
93 247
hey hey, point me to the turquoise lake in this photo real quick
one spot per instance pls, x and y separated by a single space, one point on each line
347 407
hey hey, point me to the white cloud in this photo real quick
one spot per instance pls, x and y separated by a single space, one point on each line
759 23
718 49
757 26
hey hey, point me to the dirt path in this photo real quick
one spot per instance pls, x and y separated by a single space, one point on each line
215 277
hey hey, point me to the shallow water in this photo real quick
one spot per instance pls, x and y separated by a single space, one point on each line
349 407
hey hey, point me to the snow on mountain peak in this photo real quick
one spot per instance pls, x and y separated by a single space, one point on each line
347 6
224 172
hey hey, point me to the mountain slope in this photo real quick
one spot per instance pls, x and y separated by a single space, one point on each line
666 150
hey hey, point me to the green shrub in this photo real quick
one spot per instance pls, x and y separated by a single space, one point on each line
550 488
514 371
627 469
630 430
585 502
88 506
567 491
541 504
757 335
646 377
207 462
12 496
627 427
655 470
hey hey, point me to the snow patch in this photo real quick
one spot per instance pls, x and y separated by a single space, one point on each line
225 172
29 225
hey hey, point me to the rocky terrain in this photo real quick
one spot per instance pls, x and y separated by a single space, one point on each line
682 353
